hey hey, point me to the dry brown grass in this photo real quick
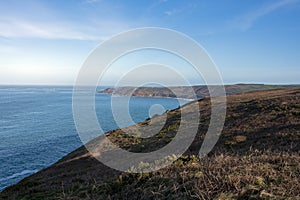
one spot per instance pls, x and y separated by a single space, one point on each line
256 157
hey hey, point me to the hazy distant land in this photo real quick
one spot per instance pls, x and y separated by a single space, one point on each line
201 91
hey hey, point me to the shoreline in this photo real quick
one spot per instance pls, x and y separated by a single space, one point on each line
156 97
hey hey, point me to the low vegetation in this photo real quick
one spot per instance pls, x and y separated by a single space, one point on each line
256 157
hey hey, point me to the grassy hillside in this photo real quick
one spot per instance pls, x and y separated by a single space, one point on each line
256 157
201 91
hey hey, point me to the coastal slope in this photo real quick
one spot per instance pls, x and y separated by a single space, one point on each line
257 156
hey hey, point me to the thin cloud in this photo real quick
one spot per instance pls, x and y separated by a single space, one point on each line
11 28
246 22
172 12
154 5
187 7
21 24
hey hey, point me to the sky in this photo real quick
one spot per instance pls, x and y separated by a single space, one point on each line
252 41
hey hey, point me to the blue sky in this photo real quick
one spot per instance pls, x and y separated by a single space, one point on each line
46 42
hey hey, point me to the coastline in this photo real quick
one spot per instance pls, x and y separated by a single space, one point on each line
156 97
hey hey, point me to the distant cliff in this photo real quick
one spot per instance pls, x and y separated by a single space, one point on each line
201 91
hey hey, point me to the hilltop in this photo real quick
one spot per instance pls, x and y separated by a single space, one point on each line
256 157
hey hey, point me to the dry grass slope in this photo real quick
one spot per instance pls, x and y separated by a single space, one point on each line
256 157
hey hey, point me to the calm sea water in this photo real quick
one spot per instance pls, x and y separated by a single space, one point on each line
37 128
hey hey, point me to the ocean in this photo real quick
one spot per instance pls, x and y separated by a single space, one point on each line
37 127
